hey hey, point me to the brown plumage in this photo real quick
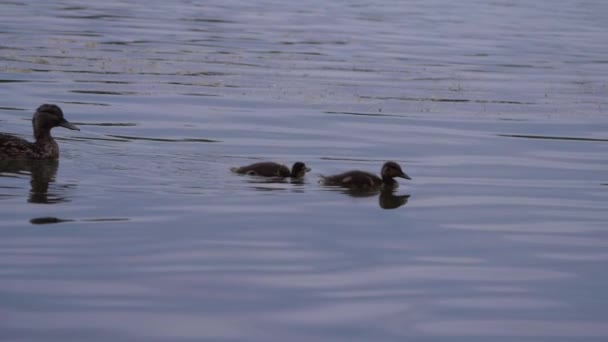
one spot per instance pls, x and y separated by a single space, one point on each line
367 180
46 118
272 169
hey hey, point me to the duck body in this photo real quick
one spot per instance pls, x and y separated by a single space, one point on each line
365 180
46 118
12 147
353 179
272 169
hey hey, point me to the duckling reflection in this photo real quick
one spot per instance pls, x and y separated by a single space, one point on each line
387 199
42 173
276 183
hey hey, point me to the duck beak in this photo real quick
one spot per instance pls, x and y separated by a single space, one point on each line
403 175
307 169
68 125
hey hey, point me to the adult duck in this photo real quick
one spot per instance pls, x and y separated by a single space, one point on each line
46 118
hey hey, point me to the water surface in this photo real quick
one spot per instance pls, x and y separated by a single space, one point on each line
497 110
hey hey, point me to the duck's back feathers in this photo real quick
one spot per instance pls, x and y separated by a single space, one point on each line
353 179
12 147
264 169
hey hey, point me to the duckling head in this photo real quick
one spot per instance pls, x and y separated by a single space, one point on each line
391 169
299 169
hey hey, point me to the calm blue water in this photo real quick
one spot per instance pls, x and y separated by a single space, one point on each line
497 110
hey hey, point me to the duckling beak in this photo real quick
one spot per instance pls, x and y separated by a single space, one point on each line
403 175
68 125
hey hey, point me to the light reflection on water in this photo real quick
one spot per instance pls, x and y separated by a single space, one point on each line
140 231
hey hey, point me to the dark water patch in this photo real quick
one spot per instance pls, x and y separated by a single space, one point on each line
434 65
65 57
48 220
74 8
235 63
12 108
13 81
200 94
271 52
126 43
94 16
86 103
92 72
355 69
114 124
79 138
278 52
76 72
307 53
438 79
107 72
527 136
54 220
8 176
82 34
521 66
267 188
315 42
433 99
129 138
205 73
103 81
13 59
364 114
43 70
209 20
475 70
184 84
104 92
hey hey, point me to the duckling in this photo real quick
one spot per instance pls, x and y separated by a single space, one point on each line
271 169
366 180
46 117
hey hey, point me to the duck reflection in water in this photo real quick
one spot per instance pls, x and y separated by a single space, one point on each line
387 199
276 183
42 174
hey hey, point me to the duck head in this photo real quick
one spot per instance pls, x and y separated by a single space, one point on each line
48 116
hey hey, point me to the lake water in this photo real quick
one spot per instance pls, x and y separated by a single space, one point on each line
498 110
